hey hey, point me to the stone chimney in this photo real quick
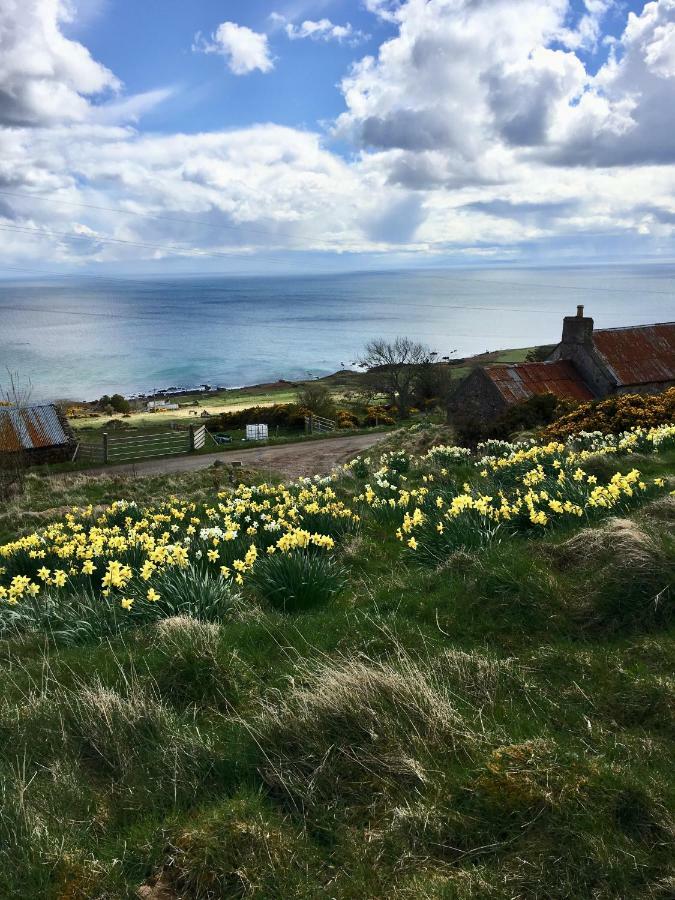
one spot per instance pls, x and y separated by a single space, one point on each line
578 329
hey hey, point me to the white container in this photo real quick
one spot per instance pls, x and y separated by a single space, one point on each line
257 432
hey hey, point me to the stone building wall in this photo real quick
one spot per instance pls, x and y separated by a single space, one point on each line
476 399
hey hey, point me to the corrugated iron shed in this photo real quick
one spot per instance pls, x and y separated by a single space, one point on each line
641 355
31 427
524 380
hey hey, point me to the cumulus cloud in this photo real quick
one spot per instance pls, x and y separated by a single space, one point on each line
460 126
244 50
463 77
627 114
44 76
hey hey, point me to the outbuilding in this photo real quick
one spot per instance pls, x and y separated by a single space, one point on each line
37 433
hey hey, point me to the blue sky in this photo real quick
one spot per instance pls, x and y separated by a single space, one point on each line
148 45
335 134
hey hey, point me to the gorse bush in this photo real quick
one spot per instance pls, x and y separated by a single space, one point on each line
299 581
615 414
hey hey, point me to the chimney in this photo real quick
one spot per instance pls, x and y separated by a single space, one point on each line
577 329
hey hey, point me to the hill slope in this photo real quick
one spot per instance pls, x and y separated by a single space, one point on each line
434 676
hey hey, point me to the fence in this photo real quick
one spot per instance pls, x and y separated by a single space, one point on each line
319 424
142 446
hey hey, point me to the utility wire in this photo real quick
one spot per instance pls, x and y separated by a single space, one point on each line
266 234
196 252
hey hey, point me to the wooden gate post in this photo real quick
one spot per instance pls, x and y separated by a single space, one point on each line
192 438
105 447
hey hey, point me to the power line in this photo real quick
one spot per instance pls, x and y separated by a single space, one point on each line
160 218
266 234
196 252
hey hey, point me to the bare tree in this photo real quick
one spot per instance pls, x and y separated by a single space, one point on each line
13 462
393 368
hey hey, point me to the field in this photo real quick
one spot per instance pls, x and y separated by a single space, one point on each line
429 675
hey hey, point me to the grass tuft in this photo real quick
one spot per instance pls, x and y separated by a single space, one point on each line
354 729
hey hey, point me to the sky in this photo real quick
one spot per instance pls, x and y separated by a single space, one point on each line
242 136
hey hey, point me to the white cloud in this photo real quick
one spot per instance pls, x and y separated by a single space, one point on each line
460 124
466 80
384 9
44 76
320 30
244 49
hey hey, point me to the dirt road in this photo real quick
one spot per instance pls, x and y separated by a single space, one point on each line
291 460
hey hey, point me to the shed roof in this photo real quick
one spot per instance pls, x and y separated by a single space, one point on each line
30 427
524 380
639 355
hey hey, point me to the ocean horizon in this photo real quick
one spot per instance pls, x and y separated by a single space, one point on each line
80 338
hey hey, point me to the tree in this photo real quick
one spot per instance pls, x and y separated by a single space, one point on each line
317 399
394 369
433 383
13 464
119 404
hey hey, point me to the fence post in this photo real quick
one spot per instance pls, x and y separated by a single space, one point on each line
192 438
105 447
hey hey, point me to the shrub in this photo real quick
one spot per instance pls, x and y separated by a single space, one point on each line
346 419
294 582
615 415
316 398
379 415
533 413
283 415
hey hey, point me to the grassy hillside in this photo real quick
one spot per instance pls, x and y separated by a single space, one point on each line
434 676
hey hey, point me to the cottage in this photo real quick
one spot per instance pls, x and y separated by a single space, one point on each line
586 365
40 433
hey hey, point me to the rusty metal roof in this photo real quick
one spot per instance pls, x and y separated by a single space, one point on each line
524 380
639 355
30 427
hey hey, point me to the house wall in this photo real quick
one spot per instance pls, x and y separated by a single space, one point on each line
39 456
476 399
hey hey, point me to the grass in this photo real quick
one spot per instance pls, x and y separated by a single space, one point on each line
493 723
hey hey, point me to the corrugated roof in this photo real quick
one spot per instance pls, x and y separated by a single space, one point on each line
524 380
30 427
639 355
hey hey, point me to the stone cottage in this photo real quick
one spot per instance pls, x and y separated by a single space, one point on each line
39 433
586 365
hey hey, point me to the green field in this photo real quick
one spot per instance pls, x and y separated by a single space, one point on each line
475 712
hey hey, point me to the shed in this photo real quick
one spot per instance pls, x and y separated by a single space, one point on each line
39 432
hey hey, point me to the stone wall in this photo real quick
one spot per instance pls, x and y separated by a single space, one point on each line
476 400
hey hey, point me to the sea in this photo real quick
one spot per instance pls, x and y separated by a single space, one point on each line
81 337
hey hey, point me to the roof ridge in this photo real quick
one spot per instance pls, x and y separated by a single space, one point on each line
633 327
